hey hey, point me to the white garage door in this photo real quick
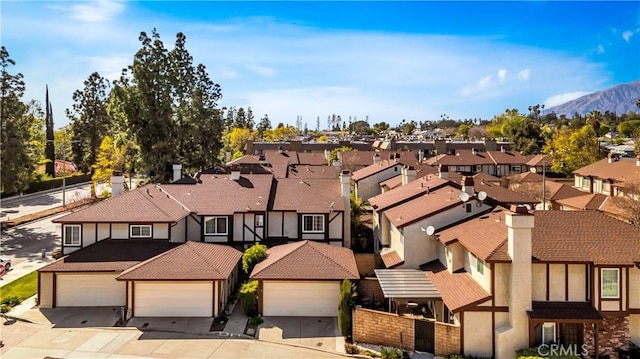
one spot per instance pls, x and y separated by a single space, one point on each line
173 299
89 290
304 299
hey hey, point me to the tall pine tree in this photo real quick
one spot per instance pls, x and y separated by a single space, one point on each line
50 151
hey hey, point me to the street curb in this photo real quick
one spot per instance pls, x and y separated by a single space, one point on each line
47 191
18 319
313 348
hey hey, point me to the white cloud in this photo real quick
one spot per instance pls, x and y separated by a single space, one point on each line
563 97
502 75
627 35
523 75
96 11
262 70
600 49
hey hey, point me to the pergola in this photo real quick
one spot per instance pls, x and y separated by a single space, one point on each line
406 284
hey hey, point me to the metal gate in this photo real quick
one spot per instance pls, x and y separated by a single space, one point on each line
424 330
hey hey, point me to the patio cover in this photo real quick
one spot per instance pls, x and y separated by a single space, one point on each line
406 283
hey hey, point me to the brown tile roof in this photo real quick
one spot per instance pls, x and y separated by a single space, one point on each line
220 195
391 259
312 158
307 260
557 191
189 261
308 195
458 290
579 311
109 255
620 170
588 201
508 157
461 158
481 236
539 160
365 158
421 171
423 206
482 176
525 177
584 236
312 171
375 168
501 254
503 195
417 187
145 204
271 156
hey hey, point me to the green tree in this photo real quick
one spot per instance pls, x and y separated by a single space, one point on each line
89 119
50 143
334 153
109 159
249 298
345 305
62 138
571 150
263 125
252 256
381 127
629 127
18 146
463 130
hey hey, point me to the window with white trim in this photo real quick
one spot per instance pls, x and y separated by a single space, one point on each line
480 265
140 231
72 235
313 223
586 182
259 220
606 187
548 333
214 226
610 282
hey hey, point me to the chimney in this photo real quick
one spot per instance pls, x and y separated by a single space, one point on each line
280 150
336 166
611 158
408 174
327 154
227 157
420 156
177 171
376 158
235 172
520 225
345 183
638 161
473 151
444 172
262 159
396 158
117 183
502 149
467 185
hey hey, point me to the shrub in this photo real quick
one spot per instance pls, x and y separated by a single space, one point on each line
347 294
351 348
256 320
393 353
532 353
56 254
4 309
11 301
252 256
249 298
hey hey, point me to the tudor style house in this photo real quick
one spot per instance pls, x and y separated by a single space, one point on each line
115 250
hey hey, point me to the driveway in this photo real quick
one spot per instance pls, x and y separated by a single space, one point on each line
170 324
317 332
86 317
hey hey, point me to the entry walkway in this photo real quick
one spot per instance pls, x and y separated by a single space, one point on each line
238 320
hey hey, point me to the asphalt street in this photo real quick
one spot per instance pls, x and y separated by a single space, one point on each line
17 206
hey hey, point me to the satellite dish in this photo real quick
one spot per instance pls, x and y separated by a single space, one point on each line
464 196
482 195
430 230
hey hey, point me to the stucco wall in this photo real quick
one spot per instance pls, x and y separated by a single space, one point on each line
103 231
502 275
274 224
45 296
484 279
290 225
88 234
634 328
193 228
539 281
577 282
370 186
335 227
119 231
556 282
177 231
477 333
161 230
634 287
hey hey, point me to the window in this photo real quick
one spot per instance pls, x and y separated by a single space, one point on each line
140 231
480 266
259 220
215 226
610 283
586 182
313 223
606 187
548 333
516 169
468 207
72 235
478 168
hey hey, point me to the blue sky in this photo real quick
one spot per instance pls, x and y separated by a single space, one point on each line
385 60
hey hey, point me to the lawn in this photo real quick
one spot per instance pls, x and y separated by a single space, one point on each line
22 288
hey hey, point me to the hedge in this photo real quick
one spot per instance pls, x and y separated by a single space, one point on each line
51 184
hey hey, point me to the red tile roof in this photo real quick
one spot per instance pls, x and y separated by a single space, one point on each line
307 260
503 195
421 171
375 168
189 261
423 206
539 160
391 259
458 290
508 157
220 195
619 171
109 256
461 158
145 204
308 195
481 236
417 187
312 171
587 201
312 158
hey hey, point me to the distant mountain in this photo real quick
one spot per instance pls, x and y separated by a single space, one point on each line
619 99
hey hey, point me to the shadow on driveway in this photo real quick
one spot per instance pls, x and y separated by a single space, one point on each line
85 317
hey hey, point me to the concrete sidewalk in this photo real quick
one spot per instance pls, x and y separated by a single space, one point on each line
24 268
237 321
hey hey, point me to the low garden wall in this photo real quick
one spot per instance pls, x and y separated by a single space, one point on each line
381 328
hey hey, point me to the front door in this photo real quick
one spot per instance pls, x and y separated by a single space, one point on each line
424 330
571 334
